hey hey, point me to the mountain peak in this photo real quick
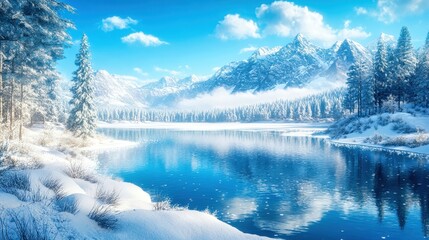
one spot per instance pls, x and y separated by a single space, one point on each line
300 40
264 51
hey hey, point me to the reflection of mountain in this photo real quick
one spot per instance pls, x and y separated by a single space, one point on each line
285 186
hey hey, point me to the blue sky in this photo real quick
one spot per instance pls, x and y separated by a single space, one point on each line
149 39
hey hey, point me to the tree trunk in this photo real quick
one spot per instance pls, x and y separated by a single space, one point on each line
20 111
11 108
1 85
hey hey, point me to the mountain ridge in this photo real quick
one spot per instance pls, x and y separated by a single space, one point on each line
296 64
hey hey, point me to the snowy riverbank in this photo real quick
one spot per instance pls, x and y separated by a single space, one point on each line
50 188
400 131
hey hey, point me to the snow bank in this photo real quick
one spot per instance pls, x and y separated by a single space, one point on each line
399 131
60 195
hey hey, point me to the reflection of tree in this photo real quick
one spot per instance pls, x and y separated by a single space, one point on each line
281 167
419 179
390 180
400 196
379 189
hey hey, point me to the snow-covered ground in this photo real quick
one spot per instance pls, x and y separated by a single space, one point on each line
49 182
50 188
400 131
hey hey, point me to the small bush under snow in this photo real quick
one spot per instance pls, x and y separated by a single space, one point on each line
105 196
77 170
104 215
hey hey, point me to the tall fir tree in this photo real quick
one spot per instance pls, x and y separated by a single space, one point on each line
422 76
404 68
380 65
358 88
82 119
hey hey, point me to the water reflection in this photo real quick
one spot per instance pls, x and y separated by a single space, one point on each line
294 187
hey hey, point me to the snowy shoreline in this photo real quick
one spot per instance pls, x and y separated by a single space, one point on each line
286 129
64 195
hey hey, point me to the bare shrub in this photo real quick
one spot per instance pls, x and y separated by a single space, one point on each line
55 185
104 215
166 204
35 195
107 197
376 139
46 138
6 154
70 141
396 141
23 225
67 204
402 127
213 213
76 170
15 180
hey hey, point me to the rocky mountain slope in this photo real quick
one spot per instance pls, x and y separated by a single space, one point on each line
296 64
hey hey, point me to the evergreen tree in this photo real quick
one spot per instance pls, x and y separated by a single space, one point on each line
358 87
54 107
380 74
82 119
32 35
404 68
422 76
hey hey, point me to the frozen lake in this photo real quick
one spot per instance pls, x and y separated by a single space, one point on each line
266 183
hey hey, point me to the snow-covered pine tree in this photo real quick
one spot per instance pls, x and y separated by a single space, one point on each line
357 86
380 66
404 68
32 36
54 106
422 76
82 119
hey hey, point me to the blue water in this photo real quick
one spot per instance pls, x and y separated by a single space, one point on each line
276 186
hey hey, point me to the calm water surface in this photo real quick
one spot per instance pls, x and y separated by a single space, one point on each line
277 186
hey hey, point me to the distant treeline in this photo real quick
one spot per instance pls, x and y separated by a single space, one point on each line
326 106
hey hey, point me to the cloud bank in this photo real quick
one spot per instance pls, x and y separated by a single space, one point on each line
389 11
221 98
286 19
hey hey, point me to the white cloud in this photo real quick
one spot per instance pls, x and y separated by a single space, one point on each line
235 27
248 49
224 98
287 19
361 11
145 39
388 11
115 22
168 71
140 71
352 33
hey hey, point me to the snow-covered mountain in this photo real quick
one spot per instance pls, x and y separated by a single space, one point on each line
343 56
297 64
116 91
292 65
